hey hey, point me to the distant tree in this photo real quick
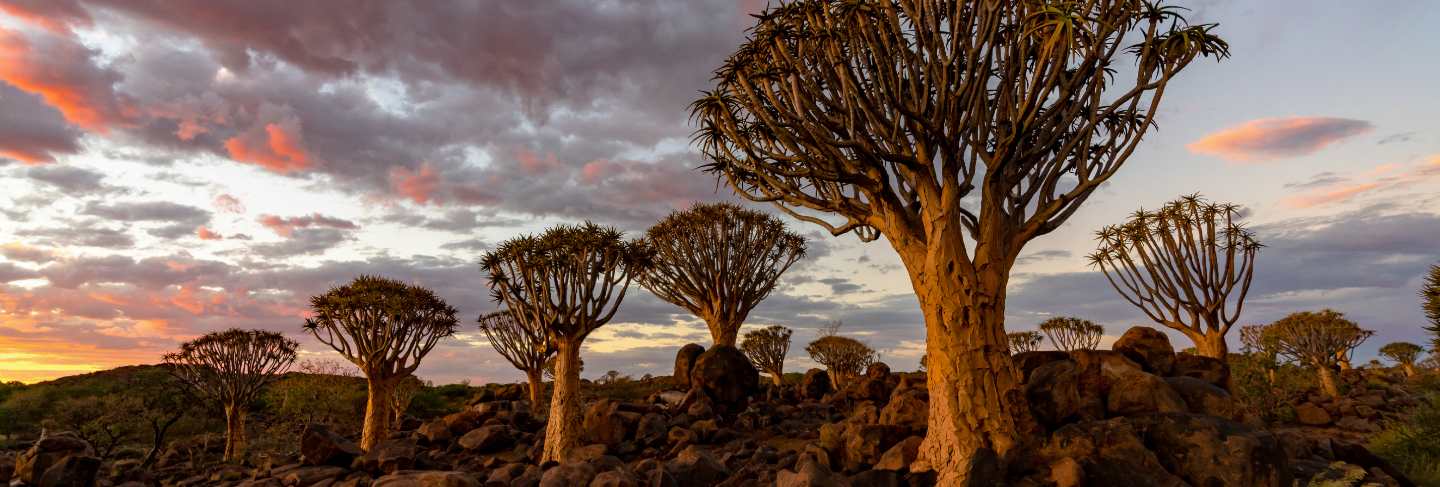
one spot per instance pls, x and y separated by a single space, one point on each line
1317 339
1257 344
158 408
767 348
230 368
1403 354
844 358
1070 334
105 421
321 392
385 327
889 116
610 377
1187 266
569 281
718 260
1430 303
1024 341
526 347
404 391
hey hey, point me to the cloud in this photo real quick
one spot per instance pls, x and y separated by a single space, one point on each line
419 185
275 145
302 241
23 253
180 220
82 234
1329 188
286 227
72 180
1328 195
32 132
60 71
229 204
206 234
1274 138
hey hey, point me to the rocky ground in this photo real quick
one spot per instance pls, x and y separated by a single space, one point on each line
1137 415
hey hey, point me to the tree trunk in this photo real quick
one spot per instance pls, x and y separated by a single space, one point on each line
1327 381
777 377
234 433
537 386
377 412
1211 344
562 432
1409 369
723 332
158 431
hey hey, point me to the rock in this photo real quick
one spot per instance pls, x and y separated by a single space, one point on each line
900 456
320 446
809 473
1029 361
390 456
1066 472
908 408
435 432
1110 453
1143 393
870 389
585 454
1311 415
876 478
7 470
71 471
878 370
1202 397
1353 423
1053 392
311 475
685 361
1148 347
1205 450
1211 370
864 444
462 422
651 429
487 439
568 475
31 465
725 375
615 478
428 478
605 423
815 385
696 466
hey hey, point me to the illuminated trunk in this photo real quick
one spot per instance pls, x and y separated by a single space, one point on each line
234 433
777 378
1211 344
377 412
537 387
1327 381
562 432
1409 370
723 331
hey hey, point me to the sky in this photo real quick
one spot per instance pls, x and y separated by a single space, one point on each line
168 169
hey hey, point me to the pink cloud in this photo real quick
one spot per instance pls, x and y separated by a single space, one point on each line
1328 195
229 203
1273 138
59 70
207 234
419 185
285 227
595 171
277 146
534 164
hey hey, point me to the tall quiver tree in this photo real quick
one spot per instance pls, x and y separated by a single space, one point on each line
384 327
1187 266
569 281
230 368
767 348
718 260
1430 303
526 347
890 116
1316 339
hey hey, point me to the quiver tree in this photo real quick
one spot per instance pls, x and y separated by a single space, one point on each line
1024 341
229 369
1404 354
384 327
1070 334
400 396
1187 266
526 347
718 261
1317 339
958 130
844 358
568 281
1256 343
1430 303
767 348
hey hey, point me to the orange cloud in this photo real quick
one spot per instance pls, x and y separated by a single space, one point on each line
207 234
534 164
419 186
1325 196
1272 138
285 227
278 148
59 70
30 158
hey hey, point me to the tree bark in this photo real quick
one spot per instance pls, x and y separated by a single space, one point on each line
723 332
377 412
1211 344
777 378
158 430
562 432
1409 370
537 387
1327 381
234 433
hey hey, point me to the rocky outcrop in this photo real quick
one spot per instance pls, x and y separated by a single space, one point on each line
726 377
685 361
57 460
1148 347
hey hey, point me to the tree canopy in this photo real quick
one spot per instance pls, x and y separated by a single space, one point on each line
1069 333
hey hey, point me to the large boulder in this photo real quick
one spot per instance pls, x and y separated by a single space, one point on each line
878 370
48 452
1205 450
909 408
1053 392
321 446
486 439
900 456
815 385
696 466
725 375
428 478
1211 370
568 475
604 422
1311 415
390 456
1143 393
1148 347
1205 398
810 472
71 471
1027 362
1109 452
685 361
864 444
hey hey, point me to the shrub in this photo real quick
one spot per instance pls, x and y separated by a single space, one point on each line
1413 444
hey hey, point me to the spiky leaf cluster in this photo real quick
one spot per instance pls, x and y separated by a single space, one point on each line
1430 303
1069 333
231 367
1315 338
524 346
383 326
767 348
1024 341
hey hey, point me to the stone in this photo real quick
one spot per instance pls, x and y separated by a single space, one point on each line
1143 393
390 456
310 475
870 389
651 429
487 439
71 471
878 370
321 446
810 473
815 385
900 456
685 361
1029 361
1202 397
585 454
568 475
435 432
909 408
1353 423
1053 392
1066 472
462 422
864 444
1148 347
1205 450
427 478
1311 415
1110 452
698 467
876 478
1211 370
605 423
47 452
725 375
615 478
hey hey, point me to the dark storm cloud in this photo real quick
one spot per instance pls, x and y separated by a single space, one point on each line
840 285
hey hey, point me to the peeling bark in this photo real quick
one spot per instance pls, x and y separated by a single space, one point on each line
377 412
533 377
562 432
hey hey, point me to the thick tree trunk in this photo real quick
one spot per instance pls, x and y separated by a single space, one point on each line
234 433
1409 370
777 377
562 432
537 387
723 332
1327 381
1211 345
377 412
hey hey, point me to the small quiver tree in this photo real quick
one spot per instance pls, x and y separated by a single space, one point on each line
1317 339
1070 334
1187 267
400 396
1403 354
526 347
385 327
229 369
767 348
718 261
569 281
1261 348
1024 341
844 358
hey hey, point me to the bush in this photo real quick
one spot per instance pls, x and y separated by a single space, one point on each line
1413 445
1272 403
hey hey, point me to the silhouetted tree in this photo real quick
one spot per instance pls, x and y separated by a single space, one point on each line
524 346
1430 303
569 281
1317 339
767 348
1403 354
158 407
718 260
1024 341
385 327
1187 266
1070 334
230 368
844 358
891 114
